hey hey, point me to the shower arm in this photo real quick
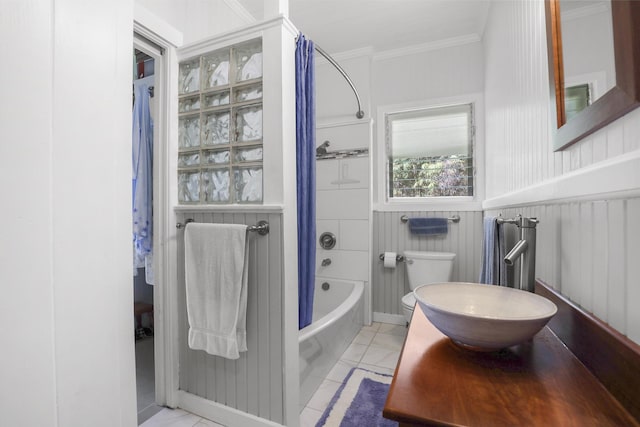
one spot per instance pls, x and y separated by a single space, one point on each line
360 113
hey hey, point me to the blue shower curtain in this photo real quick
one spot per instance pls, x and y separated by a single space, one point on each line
305 177
142 157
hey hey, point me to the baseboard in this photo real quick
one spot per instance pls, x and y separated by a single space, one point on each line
220 413
394 319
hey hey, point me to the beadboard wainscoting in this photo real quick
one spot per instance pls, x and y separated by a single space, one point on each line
390 234
587 250
254 382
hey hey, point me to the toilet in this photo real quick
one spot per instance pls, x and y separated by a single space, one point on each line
423 268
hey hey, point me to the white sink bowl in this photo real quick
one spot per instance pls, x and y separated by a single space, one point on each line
484 317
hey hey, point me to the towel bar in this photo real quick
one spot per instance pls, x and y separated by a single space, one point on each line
262 227
455 218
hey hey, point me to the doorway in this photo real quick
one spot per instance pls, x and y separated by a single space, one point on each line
144 145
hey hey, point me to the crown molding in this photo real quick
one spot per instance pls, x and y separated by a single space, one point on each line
365 52
427 47
404 51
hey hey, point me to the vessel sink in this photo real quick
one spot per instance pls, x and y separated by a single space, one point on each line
484 317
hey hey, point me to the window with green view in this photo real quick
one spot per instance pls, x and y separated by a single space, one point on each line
430 152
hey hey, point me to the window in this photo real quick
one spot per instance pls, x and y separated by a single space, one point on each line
430 152
576 99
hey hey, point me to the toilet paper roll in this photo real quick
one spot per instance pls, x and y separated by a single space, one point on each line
390 260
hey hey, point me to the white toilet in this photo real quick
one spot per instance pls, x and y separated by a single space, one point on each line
423 268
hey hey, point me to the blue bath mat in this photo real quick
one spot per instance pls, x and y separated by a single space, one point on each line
359 401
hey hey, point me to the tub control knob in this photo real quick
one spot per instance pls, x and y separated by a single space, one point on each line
327 240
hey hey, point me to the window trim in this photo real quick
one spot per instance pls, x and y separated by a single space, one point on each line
463 203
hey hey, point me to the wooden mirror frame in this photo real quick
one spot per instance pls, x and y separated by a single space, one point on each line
622 98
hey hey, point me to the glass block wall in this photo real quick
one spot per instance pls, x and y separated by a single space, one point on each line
220 126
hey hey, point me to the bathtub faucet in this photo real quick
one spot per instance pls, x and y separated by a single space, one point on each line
326 262
525 250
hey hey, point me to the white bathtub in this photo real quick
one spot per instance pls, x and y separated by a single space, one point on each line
337 319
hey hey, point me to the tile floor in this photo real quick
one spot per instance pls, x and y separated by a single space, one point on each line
377 347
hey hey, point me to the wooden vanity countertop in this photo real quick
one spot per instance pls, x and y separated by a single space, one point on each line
538 383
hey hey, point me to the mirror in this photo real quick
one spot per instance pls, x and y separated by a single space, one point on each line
598 92
587 52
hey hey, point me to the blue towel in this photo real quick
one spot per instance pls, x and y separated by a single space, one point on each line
428 226
493 270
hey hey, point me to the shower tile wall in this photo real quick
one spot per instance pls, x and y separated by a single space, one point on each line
252 383
342 203
390 234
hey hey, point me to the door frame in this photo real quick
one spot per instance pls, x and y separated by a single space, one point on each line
160 41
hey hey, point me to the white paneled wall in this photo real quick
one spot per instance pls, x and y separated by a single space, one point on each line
65 254
586 244
390 234
518 148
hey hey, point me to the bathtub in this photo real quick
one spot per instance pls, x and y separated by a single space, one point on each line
337 319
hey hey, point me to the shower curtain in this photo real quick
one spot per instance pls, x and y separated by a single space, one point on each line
142 202
305 177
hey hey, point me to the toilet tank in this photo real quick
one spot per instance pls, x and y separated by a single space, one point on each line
428 267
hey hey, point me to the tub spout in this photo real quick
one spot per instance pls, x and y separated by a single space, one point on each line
515 252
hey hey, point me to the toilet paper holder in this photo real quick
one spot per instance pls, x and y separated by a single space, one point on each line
399 258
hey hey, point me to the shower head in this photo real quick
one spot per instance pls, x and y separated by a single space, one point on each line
322 148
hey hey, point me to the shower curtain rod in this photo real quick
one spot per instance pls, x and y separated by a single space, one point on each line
360 113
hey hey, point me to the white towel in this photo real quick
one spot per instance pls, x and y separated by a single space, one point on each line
216 261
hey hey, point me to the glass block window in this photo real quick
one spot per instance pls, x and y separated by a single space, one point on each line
220 126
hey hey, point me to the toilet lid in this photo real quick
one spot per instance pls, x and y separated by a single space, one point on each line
409 300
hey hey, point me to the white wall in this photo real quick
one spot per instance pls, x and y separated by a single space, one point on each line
196 19
586 211
65 256
335 101
394 77
428 74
